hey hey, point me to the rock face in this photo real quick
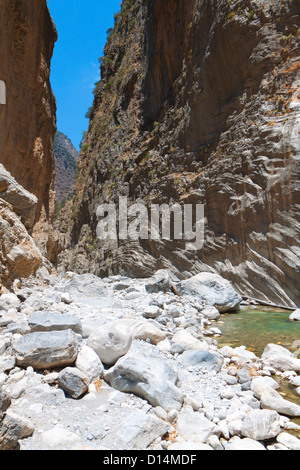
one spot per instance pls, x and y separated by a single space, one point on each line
65 166
19 256
27 121
201 106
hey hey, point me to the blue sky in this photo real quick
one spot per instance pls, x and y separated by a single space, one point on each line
81 26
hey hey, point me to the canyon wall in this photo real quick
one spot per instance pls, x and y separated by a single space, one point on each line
198 102
28 120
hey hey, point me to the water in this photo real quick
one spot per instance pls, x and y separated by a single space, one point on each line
255 328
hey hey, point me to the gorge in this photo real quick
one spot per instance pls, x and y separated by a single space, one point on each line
113 344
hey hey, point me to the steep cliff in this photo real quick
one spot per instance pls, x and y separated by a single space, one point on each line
198 102
65 166
28 120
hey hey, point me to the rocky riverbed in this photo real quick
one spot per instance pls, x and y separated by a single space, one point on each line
122 364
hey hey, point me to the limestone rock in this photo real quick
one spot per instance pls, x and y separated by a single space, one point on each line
202 359
5 401
12 429
244 444
19 256
27 121
44 350
295 315
194 426
140 430
289 441
226 163
147 376
110 343
89 363
260 425
49 321
211 289
280 358
160 282
23 202
74 382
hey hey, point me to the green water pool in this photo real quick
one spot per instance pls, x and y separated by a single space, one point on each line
255 328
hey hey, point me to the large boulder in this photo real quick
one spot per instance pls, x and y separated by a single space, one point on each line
49 321
46 350
19 256
22 201
280 358
147 375
211 289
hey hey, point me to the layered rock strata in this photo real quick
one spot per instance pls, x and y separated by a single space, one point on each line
198 103
28 119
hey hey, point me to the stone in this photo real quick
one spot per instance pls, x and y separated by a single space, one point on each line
211 289
59 438
151 312
110 343
46 350
49 321
202 359
9 301
183 340
243 444
263 385
295 381
212 313
12 429
74 382
295 316
271 399
4 343
19 254
160 282
260 425
150 377
89 363
174 311
181 444
193 426
145 330
280 358
7 363
140 430
87 289
66 298
5 401
289 441
243 375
